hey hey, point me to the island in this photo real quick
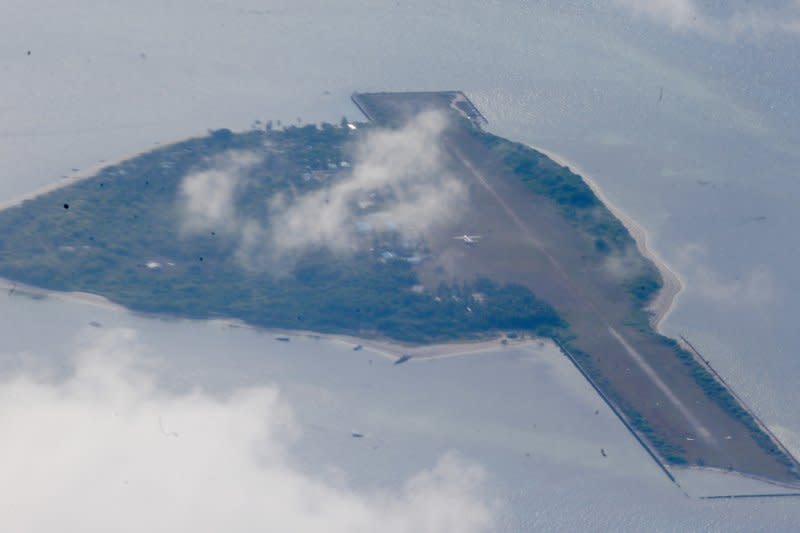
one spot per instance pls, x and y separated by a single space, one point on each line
416 226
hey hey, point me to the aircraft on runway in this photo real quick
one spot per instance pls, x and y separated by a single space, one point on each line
468 239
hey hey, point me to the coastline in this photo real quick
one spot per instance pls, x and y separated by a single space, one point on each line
665 301
74 296
660 308
87 173
395 350
387 348
391 350
744 475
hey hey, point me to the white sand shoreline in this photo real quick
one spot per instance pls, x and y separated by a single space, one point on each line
86 174
395 349
389 349
660 308
664 302
386 348
74 296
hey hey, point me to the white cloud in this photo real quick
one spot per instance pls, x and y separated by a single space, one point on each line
677 14
404 166
624 265
685 15
753 288
105 449
208 197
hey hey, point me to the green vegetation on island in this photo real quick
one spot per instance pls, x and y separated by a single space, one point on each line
121 234
117 234
578 203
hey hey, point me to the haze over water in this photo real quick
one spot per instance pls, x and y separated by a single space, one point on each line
689 128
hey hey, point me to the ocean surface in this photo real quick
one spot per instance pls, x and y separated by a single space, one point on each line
695 138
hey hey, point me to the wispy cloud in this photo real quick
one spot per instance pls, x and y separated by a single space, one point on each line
677 14
624 265
106 449
405 167
208 196
686 15
755 287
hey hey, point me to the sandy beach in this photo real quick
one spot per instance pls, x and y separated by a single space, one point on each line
389 349
665 300
394 350
659 308
13 287
386 348
86 174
